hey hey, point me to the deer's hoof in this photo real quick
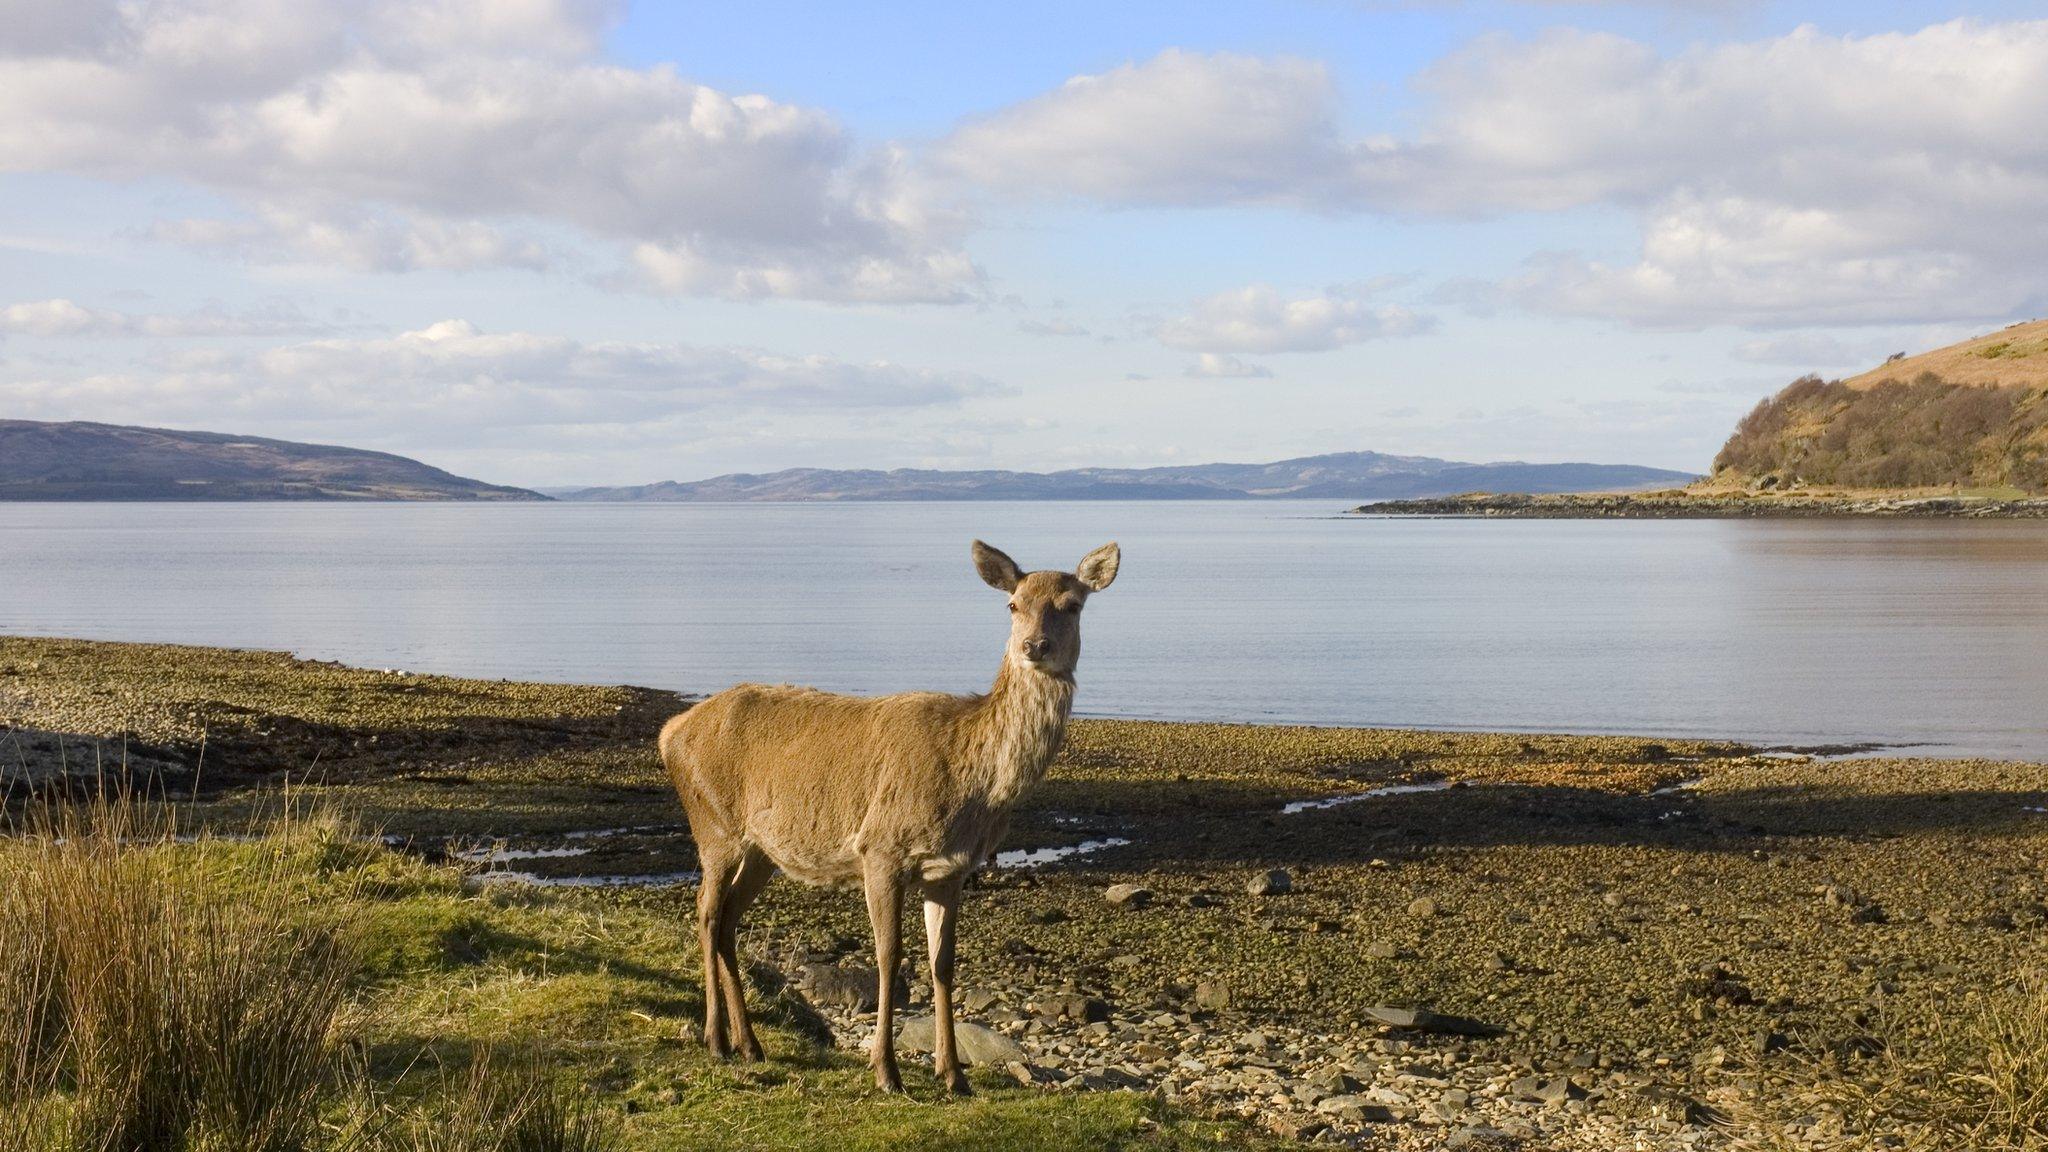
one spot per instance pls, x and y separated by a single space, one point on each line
956 1083
886 1080
751 1052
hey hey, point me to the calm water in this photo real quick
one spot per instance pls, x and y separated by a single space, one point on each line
1793 632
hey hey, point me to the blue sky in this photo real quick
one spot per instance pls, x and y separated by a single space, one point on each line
568 241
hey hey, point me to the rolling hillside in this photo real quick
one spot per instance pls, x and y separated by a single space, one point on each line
1969 417
85 461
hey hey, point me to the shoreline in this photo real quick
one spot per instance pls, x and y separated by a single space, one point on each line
1538 940
1682 505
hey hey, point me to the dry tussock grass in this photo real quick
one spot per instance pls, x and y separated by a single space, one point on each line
159 995
1975 1079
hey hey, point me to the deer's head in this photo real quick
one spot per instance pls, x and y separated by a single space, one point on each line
1045 607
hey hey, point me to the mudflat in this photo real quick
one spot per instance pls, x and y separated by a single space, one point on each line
1383 938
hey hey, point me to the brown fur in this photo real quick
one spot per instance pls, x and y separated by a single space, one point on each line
881 792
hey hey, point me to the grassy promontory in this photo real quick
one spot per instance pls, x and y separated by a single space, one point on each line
1726 502
1624 942
1960 431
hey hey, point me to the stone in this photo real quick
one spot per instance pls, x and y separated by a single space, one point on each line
975 1044
1200 900
1424 1020
845 986
1336 1082
1559 1090
1074 1006
1272 883
978 999
1212 995
1128 895
1354 1108
1477 1137
1422 907
1383 950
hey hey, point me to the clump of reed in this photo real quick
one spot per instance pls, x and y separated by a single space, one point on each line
164 993
155 995
1973 1076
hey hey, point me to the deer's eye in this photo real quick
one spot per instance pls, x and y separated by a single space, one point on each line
1013 606
1071 607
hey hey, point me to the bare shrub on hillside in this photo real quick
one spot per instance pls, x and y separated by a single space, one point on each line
1923 433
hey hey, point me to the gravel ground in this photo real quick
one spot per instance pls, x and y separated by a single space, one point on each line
1486 940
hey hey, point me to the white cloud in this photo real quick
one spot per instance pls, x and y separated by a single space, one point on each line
1181 128
1223 366
59 317
1808 178
1809 350
359 240
452 377
375 136
1051 328
1257 318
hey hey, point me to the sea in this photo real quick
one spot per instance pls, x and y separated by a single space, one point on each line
1920 637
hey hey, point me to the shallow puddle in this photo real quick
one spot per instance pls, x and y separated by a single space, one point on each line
1033 857
1300 806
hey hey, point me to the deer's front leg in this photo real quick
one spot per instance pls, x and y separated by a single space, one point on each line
941 908
884 882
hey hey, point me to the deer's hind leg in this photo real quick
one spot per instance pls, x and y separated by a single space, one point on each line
720 859
941 917
753 874
883 880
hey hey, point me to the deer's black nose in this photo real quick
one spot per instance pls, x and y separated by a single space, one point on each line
1037 648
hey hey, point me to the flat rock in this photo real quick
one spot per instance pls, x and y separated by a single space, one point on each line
845 985
975 1044
1074 1006
1271 883
1424 1020
1128 895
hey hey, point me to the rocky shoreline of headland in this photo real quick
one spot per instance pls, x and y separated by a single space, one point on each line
1371 938
1685 505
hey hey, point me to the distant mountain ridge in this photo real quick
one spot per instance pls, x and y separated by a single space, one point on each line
80 460
1340 476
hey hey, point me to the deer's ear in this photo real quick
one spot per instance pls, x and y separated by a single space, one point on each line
1098 568
997 570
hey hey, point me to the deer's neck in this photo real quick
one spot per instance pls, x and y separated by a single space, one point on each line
1016 731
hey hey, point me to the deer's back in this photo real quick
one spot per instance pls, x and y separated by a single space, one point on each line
813 778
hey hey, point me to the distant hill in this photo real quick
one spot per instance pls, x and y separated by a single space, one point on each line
1339 476
1971 416
83 461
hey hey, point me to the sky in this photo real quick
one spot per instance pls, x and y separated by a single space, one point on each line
563 242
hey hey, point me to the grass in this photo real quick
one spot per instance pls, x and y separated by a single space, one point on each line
306 989
1974 1076
163 999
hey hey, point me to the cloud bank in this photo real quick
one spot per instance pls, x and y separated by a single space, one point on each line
399 134
454 378
1805 179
